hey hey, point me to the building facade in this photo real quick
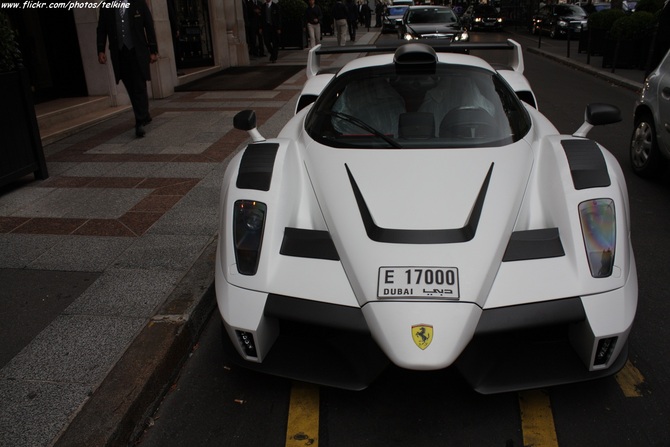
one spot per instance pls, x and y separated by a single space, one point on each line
195 39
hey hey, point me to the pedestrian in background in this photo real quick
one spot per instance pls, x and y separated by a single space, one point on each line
313 17
252 23
340 19
132 47
271 27
367 15
257 44
379 12
352 19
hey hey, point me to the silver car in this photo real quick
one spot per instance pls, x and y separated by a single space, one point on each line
650 143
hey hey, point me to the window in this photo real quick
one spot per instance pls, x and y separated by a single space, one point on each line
457 106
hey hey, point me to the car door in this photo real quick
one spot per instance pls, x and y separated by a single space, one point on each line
663 133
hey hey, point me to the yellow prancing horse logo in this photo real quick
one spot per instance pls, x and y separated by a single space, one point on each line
422 334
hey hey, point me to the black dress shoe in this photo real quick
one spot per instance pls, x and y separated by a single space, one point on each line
139 131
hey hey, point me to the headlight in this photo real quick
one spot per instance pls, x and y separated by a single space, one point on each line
562 23
408 36
478 19
598 221
462 37
248 225
499 20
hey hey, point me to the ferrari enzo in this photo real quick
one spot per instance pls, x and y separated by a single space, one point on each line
419 211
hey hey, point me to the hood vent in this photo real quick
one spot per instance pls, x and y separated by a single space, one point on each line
402 236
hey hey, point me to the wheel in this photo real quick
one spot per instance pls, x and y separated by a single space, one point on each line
645 157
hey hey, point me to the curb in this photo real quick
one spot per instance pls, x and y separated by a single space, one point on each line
612 77
114 415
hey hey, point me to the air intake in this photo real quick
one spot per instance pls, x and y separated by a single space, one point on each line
247 343
604 350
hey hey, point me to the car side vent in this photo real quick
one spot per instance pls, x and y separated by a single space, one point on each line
415 56
256 166
587 164
314 244
534 244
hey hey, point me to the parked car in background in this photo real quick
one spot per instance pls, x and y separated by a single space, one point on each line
557 20
392 15
482 17
650 142
432 22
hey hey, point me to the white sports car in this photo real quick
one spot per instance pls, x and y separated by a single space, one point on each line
419 210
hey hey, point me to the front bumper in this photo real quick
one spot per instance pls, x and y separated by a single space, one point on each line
514 348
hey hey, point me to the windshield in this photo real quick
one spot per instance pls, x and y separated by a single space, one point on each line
457 106
570 10
486 10
396 10
431 15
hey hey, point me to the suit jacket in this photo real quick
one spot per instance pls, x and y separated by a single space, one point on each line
142 29
275 15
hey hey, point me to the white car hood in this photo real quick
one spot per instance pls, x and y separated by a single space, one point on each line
419 202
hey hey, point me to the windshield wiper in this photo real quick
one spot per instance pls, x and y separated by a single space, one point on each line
363 125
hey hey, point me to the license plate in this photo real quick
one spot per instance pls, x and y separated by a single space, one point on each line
418 282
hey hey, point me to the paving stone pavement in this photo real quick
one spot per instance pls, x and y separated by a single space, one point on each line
107 266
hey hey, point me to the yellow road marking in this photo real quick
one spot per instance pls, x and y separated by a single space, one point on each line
629 380
537 419
303 416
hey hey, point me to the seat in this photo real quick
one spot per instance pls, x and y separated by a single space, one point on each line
452 92
416 126
468 123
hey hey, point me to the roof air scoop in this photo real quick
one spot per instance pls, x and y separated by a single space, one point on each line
415 57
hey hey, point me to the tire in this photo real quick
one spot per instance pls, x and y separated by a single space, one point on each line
645 157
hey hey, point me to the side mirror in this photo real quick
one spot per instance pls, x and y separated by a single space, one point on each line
246 120
598 114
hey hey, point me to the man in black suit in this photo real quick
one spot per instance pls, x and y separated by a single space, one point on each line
132 46
271 27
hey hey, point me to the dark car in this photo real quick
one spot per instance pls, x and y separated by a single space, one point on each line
556 20
392 14
431 22
480 16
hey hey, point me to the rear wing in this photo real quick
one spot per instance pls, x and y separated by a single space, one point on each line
515 60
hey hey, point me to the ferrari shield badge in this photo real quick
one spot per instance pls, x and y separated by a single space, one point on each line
422 334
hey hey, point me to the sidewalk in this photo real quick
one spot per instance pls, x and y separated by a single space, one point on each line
558 50
107 266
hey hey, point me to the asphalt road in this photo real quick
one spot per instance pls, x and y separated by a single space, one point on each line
216 403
